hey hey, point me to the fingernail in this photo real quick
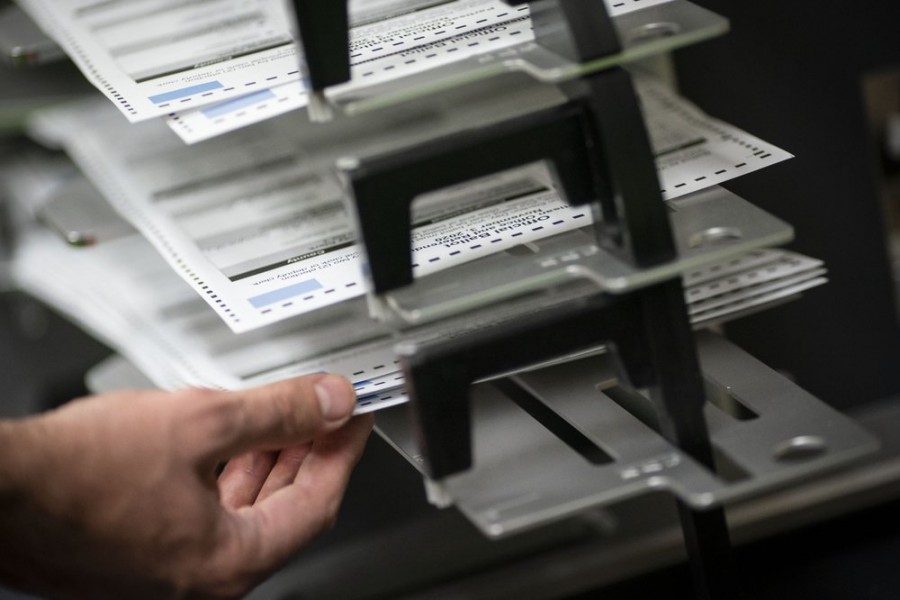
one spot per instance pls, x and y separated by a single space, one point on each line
336 397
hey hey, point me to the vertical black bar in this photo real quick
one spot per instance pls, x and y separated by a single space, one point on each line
384 190
324 30
441 412
678 393
709 552
638 211
679 398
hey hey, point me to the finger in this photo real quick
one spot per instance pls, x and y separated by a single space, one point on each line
243 478
275 416
284 471
274 529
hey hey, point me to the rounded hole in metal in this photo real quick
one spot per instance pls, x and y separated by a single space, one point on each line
715 235
802 447
653 31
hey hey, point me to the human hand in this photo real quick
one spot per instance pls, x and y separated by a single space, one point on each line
116 496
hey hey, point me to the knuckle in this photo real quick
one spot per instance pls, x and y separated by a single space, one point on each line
212 417
291 409
285 409
222 417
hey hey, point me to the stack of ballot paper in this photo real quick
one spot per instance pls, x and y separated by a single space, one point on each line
124 294
256 221
239 263
122 291
215 66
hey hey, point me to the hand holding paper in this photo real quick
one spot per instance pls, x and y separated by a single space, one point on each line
115 496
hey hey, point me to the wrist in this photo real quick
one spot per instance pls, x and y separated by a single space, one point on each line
14 440
20 562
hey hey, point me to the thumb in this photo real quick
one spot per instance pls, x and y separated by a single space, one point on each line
280 414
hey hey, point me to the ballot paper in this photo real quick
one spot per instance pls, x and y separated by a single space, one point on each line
147 56
256 224
152 57
760 278
263 234
694 150
379 53
122 292
363 12
389 52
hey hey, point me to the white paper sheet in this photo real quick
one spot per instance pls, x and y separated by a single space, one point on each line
124 293
397 49
255 223
682 134
152 58
149 57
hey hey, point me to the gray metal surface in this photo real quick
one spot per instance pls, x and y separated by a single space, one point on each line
80 214
22 42
437 555
773 434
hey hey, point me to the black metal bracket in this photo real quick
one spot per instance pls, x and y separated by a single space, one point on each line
324 28
596 145
579 30
647 332
385 187
599 153
634 218
642 330
439 374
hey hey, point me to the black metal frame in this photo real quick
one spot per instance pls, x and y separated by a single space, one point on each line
324 29
599 152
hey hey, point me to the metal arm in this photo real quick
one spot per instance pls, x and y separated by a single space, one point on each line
324 29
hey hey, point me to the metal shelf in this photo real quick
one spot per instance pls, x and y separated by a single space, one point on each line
711 226
766 431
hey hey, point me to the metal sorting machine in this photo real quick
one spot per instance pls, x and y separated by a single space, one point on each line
574 378
578 381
